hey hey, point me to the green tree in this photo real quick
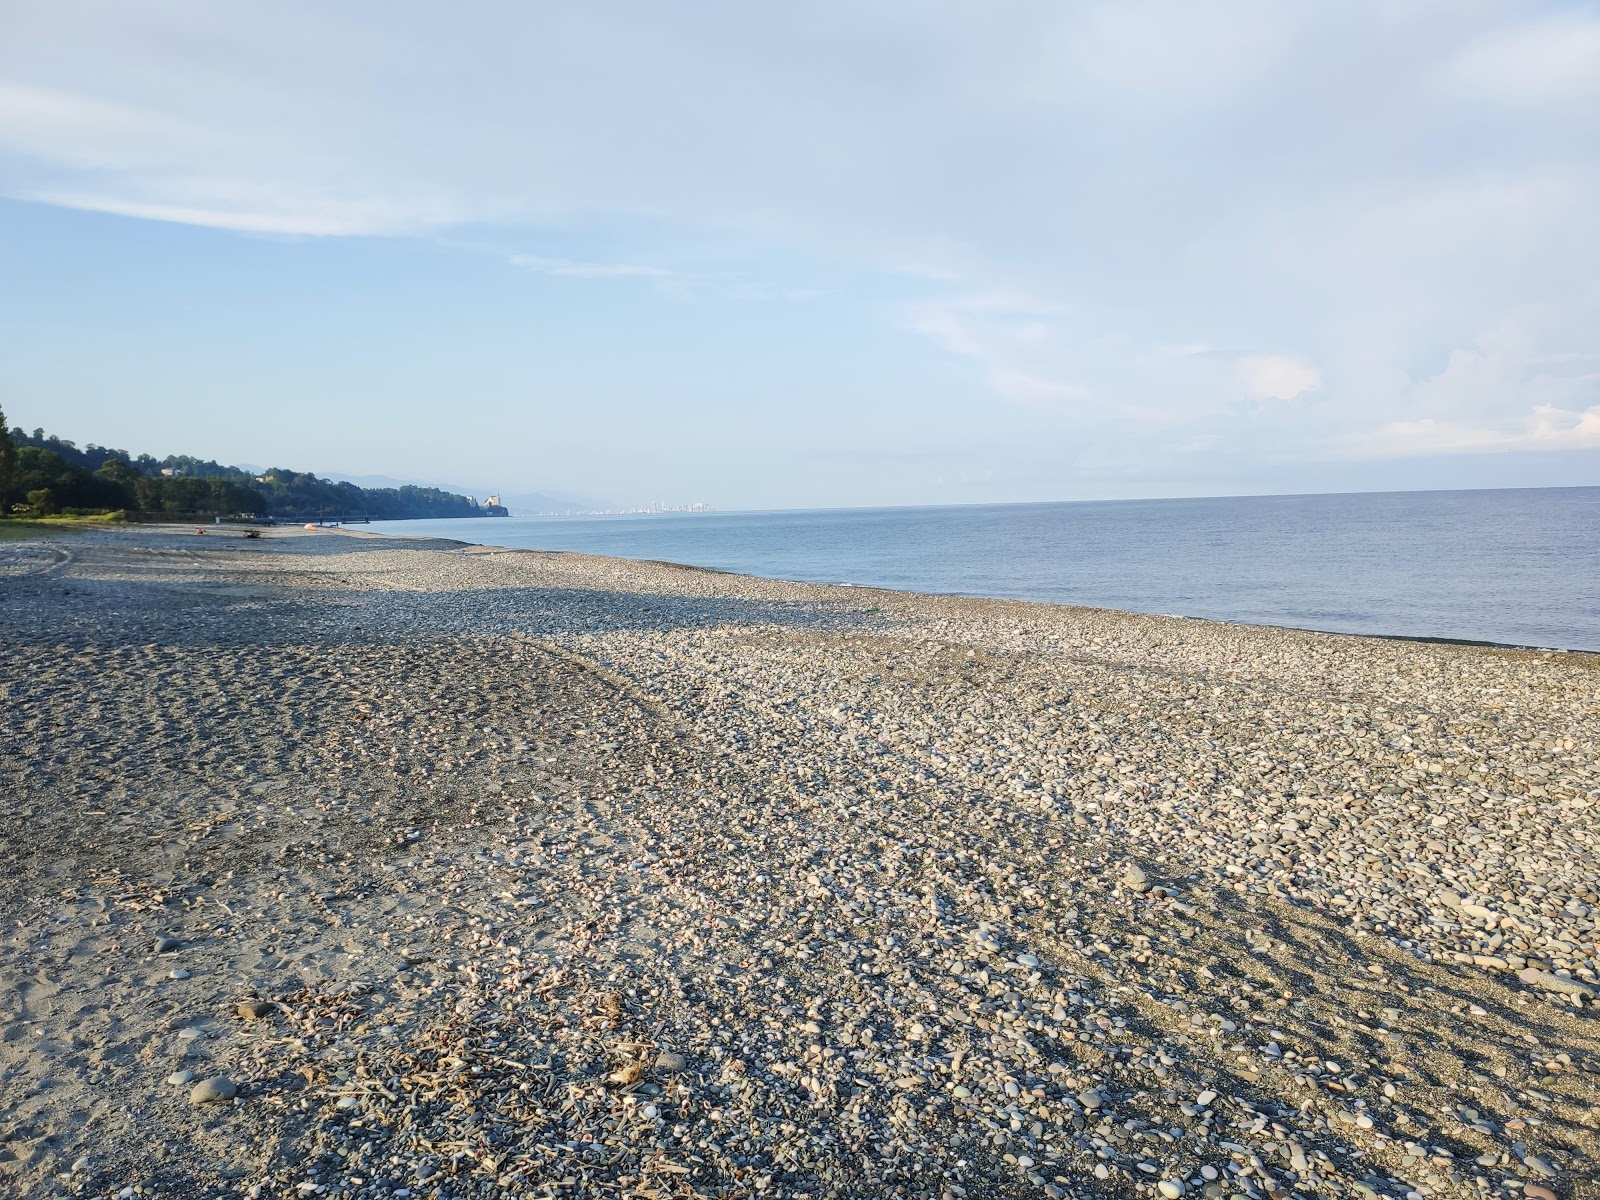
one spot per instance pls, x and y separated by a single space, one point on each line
120 472
101 477
8 462
68 486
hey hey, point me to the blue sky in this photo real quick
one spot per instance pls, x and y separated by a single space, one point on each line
824 254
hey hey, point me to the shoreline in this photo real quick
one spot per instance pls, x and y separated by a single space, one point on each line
1397 637
480 872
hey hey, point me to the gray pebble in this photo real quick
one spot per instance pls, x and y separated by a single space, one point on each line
209 1091
1551 982
913 923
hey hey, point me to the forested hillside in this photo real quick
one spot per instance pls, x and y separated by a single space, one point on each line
41 475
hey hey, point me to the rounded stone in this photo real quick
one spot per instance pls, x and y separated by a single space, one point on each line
1170 1188
255 1010
166 945
210 1091
179 1078
670 1060
1538 1165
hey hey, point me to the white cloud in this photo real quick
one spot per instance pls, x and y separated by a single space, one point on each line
1013 338
1554 60
255 212
1501 393
1503 376
1153 55
86 133
1544 428
69 148
1276 377
725 285
590 270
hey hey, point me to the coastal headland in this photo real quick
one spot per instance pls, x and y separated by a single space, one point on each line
351 866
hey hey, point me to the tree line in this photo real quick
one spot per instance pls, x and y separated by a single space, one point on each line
44 475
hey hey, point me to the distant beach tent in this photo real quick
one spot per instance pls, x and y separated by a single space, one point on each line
311 525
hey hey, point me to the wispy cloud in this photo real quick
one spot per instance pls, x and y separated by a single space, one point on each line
1553 60
1010 336
253 212
569 269
71 148
1276 377
709 283
81 131
1545 428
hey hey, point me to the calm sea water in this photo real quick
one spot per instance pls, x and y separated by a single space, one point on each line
1515 566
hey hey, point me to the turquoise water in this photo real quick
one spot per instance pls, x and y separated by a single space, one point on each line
1516 566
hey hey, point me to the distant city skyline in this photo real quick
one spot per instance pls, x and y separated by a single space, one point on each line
838 255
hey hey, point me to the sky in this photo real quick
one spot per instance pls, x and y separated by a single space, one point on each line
839 253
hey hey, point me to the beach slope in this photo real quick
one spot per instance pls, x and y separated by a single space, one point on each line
353 866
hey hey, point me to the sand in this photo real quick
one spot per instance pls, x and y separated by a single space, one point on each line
351 866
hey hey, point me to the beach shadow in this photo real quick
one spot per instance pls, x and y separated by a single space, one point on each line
183 596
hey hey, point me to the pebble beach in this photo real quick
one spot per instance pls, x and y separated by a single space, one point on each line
342 865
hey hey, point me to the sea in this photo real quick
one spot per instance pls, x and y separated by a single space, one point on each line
1518 567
